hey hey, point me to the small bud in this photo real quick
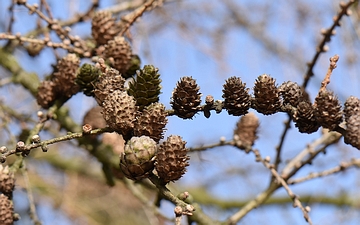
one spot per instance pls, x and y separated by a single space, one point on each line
184 195
35 138
222 139
3 149
20 146
87 129
267 159
307 208
209 100
40 114
44 148
178 211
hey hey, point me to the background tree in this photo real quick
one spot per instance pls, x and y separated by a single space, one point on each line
245 84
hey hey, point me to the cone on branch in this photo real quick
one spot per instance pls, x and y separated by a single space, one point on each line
186 98
171 159
107 83
351 107
137 160
7 180
237 100
267 99
6 211
305 119
328 110
352 118
65 76
151 122
145 88
103 27
291 93
46 94
87 77
119 54
246 130
119 111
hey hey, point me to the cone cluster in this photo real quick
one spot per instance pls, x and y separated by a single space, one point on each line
62 83
103 27
237 100
171 159
186 98
145 88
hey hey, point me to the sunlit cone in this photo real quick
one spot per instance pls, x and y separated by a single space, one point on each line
304 118
186 98
119 111
291 93
65 76
171 159
87 77
46 95
107 83
246 130
137 160
146 86
151 122
118 52
103 27
237 100
134 66
267 100
6 211
352 133
352 107
328 110
7 180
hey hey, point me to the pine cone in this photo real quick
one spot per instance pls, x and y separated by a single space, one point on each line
151 122
146 87
109 82
7 181
186 98
118 52
87 77
95 118
266 94
137 161
246 129
353 131
352 107
291 93
305 119
119 112
171 159
6 211
134 66
328 110
65 76
103 27
236 95
46 95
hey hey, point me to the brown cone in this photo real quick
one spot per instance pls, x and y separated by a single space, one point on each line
119 54
304 118
103 27
328 110
236 96
6 211
7 181
171 159
108 82
246 130
46 95
267 100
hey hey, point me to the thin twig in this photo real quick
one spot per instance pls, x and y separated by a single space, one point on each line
332 66
343 166
32 207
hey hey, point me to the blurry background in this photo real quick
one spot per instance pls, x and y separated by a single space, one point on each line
210 41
